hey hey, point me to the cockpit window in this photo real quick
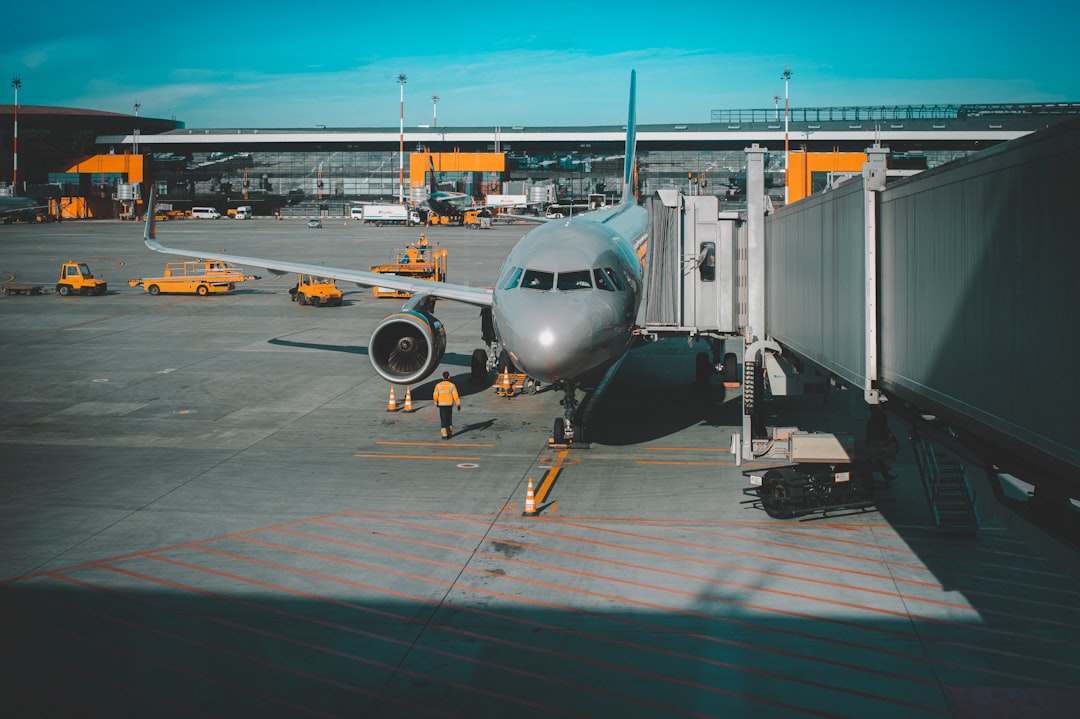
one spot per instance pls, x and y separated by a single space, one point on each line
576 280
512 278
601 281
538 280
613 277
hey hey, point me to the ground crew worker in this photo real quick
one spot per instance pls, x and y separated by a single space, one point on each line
446 396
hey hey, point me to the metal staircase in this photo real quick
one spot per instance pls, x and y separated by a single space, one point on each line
951 500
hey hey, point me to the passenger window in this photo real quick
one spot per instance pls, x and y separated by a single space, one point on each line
537 280
576 280
512 278
614 277
601 282
707 262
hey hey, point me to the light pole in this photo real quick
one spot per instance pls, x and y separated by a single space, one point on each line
787 77
135 141
15 83
401 141
434 110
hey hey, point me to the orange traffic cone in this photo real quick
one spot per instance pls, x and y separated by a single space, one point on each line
507 388
530 501
408 399
391 406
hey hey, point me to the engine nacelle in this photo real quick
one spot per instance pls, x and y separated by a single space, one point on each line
407 346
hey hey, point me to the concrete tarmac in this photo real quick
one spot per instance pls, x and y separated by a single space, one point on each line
207 510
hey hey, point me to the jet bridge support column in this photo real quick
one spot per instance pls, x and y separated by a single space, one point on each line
754 334
873 183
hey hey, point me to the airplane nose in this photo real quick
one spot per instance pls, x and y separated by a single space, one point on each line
552 348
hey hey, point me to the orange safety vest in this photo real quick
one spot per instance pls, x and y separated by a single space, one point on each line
445 394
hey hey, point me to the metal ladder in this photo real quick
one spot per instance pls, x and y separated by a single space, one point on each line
951 500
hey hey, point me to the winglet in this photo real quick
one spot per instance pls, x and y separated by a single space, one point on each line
150 233
631 142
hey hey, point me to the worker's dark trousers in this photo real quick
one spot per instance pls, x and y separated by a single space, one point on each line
446 417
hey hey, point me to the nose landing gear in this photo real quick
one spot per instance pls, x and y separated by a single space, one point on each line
568 427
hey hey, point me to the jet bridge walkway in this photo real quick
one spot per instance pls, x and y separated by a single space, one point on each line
948 295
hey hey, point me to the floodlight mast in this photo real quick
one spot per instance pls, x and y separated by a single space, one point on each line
15 83
401 141
787 77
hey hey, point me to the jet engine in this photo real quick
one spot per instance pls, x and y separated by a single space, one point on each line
407 346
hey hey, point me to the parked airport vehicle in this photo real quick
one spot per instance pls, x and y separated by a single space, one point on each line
386 215
76 278
317 291
204 213
418 260
243 213
202 278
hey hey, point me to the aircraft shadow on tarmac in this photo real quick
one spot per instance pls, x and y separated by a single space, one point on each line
653 395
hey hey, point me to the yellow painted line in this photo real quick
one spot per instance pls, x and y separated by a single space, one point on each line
433 444
416 456
545 486
549 477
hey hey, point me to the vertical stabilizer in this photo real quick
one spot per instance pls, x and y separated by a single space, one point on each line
631 143
151 225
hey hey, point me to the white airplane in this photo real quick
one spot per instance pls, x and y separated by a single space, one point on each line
562 310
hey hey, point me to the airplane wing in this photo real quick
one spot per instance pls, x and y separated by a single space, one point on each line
437 290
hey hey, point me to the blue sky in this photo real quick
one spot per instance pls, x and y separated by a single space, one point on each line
276 64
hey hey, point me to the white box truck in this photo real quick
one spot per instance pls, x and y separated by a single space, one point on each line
386 215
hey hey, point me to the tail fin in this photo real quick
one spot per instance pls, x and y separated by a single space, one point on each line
629 170
433 185
151 227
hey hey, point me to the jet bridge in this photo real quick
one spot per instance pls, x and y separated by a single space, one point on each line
693 272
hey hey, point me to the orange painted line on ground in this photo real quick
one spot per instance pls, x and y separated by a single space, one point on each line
814 617
564 630
417 456
338 627
673 610
412 621
816 659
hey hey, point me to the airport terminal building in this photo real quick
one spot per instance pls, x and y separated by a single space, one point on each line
102 162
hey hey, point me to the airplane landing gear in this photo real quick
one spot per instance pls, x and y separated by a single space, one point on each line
564 429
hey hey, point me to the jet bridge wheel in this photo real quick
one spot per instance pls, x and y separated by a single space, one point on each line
775 498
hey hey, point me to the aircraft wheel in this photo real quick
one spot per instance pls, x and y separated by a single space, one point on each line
479 366
774 496
558 435
153 289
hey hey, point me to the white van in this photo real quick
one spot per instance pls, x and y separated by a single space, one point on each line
204 213
357 213
243 212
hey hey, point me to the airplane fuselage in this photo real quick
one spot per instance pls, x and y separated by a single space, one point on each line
567 295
